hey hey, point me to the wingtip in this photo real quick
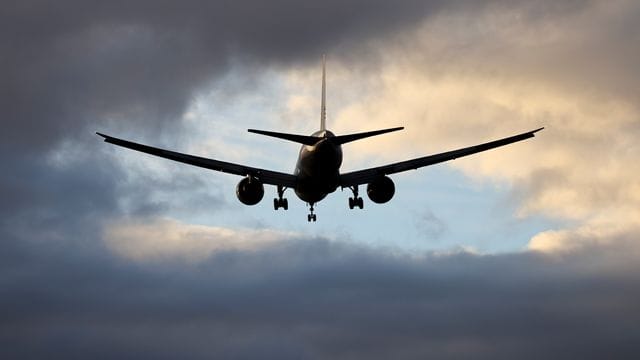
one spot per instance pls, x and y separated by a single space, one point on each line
106 137
536 130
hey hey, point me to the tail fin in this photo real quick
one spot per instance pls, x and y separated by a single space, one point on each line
312 140
323 106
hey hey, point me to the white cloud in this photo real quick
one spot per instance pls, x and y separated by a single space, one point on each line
169 239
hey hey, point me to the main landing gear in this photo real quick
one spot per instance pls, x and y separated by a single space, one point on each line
311 217
280 202
355 201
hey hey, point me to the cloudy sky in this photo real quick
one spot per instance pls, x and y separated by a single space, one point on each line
528 251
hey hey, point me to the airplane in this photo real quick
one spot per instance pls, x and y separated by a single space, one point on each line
317 172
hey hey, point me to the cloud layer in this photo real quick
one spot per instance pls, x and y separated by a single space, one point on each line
92 263
316 299
166 239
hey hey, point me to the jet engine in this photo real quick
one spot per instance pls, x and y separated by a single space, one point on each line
250 191
381 190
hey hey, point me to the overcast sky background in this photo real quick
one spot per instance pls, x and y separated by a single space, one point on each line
528 251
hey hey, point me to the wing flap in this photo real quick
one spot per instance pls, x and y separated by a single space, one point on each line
266 176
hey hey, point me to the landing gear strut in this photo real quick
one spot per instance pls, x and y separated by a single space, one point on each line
280 202
311 217
355 201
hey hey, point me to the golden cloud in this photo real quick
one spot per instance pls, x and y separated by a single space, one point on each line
164 238
459 80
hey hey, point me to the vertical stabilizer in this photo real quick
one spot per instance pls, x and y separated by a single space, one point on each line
323 106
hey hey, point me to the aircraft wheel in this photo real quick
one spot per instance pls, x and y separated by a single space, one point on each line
276 204
285 204
351 203
360 203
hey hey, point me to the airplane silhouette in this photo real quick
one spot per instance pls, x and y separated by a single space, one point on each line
317 171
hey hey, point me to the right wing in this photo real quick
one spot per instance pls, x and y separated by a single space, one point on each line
266 176
366 176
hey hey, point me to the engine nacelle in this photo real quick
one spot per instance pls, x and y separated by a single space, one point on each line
381 190
250 191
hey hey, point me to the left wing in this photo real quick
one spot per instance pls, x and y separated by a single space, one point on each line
368 175
266 176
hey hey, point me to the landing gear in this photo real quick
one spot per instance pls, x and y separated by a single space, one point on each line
355 201
311 217
280 202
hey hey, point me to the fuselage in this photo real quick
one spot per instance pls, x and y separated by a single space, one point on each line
318 168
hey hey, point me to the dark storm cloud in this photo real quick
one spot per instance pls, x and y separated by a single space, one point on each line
39 195
67 64
71 63
68 68
317 299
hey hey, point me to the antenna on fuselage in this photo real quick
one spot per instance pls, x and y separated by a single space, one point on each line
323 106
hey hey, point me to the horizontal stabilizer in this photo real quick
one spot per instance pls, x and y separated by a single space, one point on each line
302 139
312 140
343 139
